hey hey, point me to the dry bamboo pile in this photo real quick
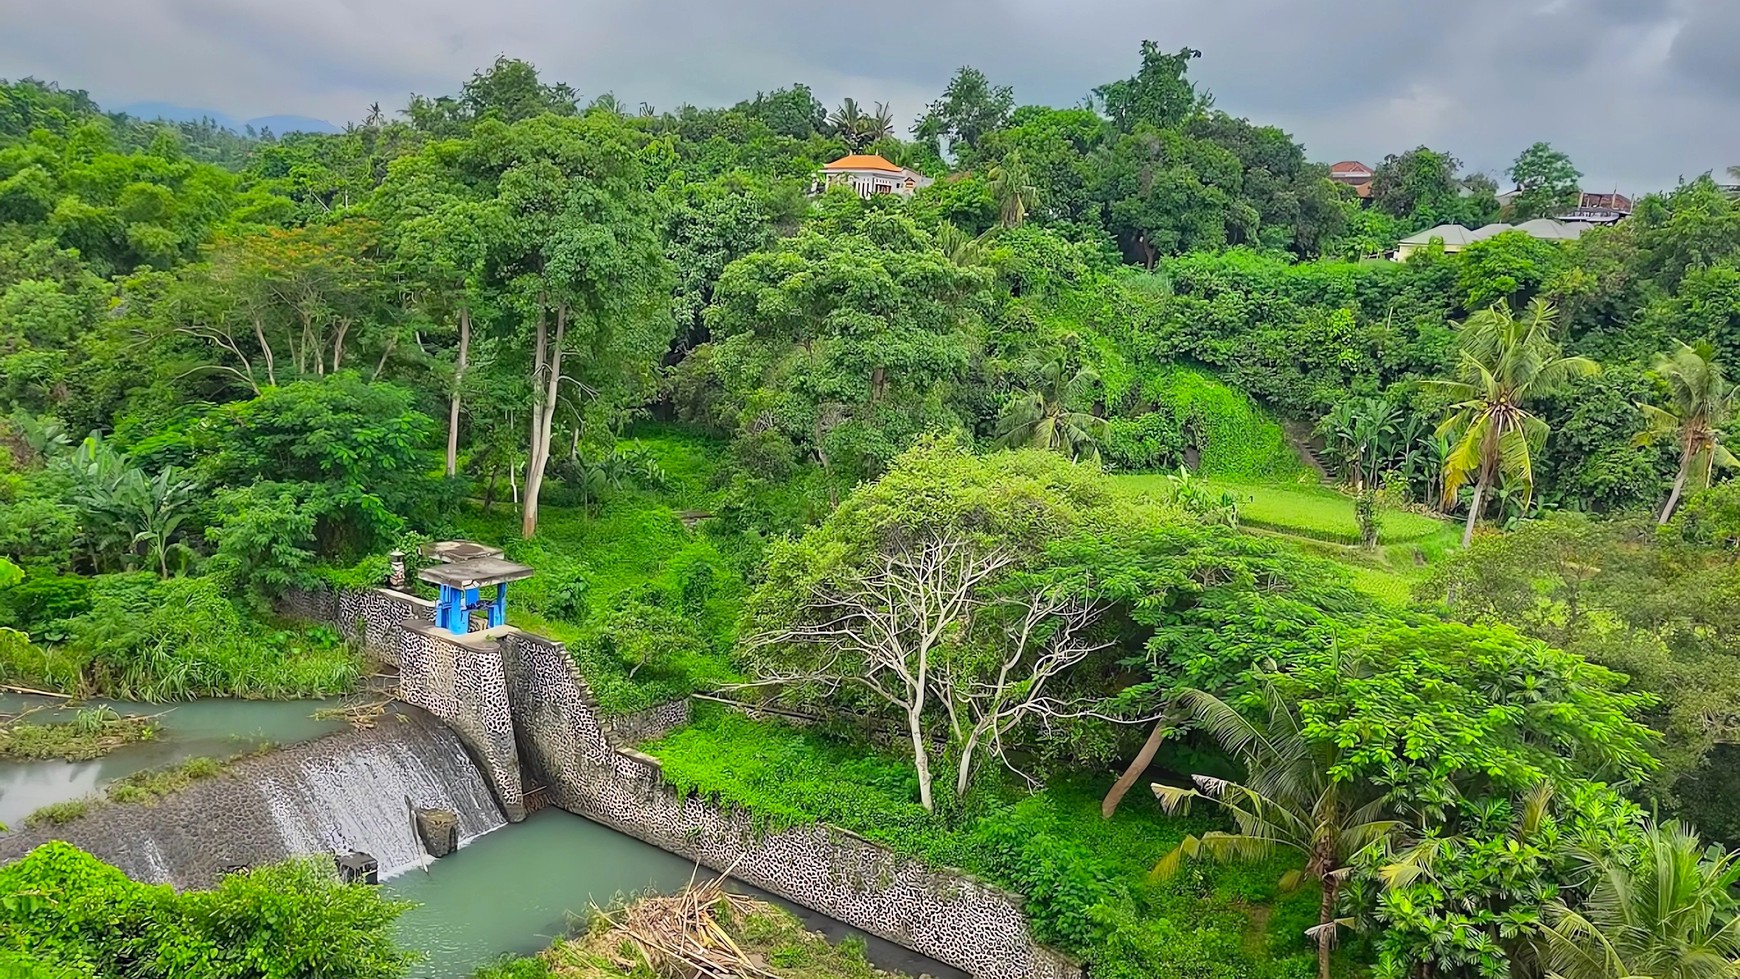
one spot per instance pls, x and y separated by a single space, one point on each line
681 936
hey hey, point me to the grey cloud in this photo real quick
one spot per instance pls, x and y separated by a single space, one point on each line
1639 92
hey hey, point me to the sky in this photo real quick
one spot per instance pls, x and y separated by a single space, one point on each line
1638 92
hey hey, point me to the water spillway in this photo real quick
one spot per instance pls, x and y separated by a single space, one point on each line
352 791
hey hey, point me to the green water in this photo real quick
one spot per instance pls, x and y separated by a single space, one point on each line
513 890
213 728
517 889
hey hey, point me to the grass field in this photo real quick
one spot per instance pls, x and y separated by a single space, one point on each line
1321 521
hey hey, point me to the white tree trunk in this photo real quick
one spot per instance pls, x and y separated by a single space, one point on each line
544 417
920 756
1474 510
453 403
1673 500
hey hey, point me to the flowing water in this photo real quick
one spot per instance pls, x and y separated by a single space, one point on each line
510 890
516 890
212 728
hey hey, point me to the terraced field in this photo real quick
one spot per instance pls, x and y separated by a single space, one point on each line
1321 521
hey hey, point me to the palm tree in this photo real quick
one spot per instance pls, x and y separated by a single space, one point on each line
878 124
959 247
1669 914
1044 419
1013 190
846 122
1702 403
1505 361
1289 801
858 128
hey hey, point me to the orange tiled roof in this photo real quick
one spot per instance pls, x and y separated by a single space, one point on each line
1349 166
859 161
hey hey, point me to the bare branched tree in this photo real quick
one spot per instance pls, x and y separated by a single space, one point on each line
1044 638
883 630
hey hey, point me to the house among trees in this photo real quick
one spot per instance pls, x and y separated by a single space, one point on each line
1599 209
1455 237
870 175
1354 174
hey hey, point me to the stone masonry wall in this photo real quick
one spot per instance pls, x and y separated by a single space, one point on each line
646 725
947 915
461 682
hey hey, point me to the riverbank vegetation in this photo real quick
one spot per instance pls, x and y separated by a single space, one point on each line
92 733
143 787
703 930
67 915
1105 477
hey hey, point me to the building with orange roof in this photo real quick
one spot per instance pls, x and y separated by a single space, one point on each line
870 175
1354 174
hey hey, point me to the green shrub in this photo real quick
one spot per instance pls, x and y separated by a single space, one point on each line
56 813
1085 878
150 639
1175 409
290 919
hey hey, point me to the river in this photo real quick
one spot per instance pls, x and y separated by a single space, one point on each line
516 890
212 728
511 891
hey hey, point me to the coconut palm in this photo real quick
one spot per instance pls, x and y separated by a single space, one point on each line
858 128
1289 801
959 247
878 124
1702 402
1506 360
1044 418
1669 913
1013 189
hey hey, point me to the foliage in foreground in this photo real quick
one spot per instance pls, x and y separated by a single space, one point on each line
65 913
766 933
1085 878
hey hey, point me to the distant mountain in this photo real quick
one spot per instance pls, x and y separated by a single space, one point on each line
180 113
292 124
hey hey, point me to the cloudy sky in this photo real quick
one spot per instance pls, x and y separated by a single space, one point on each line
1639 92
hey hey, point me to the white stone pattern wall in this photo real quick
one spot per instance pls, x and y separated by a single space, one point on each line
466 687
370 617
642 726
947 915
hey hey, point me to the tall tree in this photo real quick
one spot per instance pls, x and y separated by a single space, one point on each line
1504 361
1292 799
970 108
1013 189
1420 186
1158 95
1668 912
1701 403
1546 183
859 127
585 269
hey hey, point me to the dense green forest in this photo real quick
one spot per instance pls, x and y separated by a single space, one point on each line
1118 456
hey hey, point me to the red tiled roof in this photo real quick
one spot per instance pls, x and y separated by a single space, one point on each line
860 161
1349 166
1618 202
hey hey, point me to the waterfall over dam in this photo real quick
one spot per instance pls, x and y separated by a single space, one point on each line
349 791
